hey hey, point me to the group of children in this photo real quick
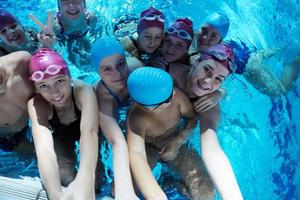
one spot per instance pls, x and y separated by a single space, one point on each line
172 75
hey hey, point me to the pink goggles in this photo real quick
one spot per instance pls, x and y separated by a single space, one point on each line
152 17
51 70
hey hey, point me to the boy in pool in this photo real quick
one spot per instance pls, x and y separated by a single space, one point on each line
15 91
154 134
15 37
108 59
144 44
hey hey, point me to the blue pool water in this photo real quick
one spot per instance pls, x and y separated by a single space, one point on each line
259 134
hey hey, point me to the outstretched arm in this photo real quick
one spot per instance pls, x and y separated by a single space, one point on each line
83 187
216 161
43 142
139 165
113 133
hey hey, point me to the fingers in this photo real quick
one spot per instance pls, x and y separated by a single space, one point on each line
36 21
49 19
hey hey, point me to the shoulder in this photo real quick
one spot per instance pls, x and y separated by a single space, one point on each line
40 106
136 120
18 59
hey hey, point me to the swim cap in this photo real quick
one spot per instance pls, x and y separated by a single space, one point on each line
44 58
6 19
150 18
219 21
102 48
182 24
149 86
222 53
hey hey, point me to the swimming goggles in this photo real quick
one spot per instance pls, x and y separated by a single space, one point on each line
154 106
152 17
181 33
222 57
51 70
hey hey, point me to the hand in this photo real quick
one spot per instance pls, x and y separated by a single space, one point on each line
47 35
170 151
207 101
82 188
129 196
159 62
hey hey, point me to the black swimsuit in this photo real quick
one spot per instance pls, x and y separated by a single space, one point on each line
68 133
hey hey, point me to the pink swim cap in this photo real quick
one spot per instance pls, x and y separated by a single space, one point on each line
6 19
42 59
221 53
182 28
150 18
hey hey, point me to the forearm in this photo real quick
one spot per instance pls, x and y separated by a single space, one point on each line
143 176
88 154
48 169
122 176
220 170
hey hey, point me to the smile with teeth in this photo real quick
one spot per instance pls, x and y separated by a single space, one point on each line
73 12
58 98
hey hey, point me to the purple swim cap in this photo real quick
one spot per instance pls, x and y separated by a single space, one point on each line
223 54
6 19
182 28
42 59
150 18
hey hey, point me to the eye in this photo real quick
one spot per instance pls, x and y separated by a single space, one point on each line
43 86
219 80
204 31
121 63
207 71
107 69
3 31
14 26
158 37
60 81
179 46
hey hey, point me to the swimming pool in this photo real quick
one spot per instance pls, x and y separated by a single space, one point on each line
260 135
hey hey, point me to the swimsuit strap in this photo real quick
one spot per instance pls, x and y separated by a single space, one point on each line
167 68
4 51
55 121
73 36
112 93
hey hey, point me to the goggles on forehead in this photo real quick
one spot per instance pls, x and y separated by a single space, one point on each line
154 106
181 33
51 70
152 17
222 57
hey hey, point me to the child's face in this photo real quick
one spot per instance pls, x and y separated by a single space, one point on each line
173 48
208 36
207 76
72 9
114 71
56 89
150 39
13 35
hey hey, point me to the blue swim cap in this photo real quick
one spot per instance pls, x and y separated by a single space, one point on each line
219 21
102 48
149 86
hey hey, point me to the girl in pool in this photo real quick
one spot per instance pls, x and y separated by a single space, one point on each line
144 44
108 59
176 60
208 71
249 62
63 112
